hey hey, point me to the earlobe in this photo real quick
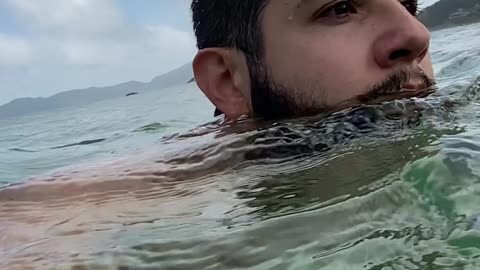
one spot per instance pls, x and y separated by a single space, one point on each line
216 73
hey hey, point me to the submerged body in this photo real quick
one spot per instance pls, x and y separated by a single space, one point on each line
318 192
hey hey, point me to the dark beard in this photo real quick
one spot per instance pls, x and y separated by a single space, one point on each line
274 101
271 100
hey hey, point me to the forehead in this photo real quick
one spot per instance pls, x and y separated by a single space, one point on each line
285 4
289 4
286 10
279 14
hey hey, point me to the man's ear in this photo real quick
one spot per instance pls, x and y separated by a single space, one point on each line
223 77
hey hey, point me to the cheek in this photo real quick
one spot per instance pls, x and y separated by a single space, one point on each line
427 66
332 68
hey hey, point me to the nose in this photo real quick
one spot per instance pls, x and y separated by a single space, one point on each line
404 39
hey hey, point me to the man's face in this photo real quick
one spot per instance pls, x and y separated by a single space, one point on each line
327 54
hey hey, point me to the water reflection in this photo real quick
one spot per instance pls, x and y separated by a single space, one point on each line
370 187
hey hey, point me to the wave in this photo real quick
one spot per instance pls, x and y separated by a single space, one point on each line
153 127
21 150
87 142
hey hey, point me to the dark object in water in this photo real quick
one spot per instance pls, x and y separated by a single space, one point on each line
131 94
80 143
21 150
192 80
151 127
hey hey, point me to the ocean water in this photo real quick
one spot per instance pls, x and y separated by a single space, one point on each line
142 182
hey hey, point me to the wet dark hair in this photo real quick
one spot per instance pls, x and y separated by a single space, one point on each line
234 24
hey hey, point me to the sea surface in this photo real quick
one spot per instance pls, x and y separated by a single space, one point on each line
153 181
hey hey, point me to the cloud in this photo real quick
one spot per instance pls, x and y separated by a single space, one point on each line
167 41
92 53
79 43
70 18
169 38
14 52
96 32
160 43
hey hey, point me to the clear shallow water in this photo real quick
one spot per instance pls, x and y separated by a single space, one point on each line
380 187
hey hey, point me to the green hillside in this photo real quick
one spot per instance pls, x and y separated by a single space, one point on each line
445 13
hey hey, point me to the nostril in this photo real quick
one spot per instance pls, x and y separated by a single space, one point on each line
399 54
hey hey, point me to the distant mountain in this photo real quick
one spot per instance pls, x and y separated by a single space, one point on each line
447 13
178 76
23 106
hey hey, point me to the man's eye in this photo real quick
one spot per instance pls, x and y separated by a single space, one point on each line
411 6
340 9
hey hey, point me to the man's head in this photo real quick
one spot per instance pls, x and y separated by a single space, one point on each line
279 58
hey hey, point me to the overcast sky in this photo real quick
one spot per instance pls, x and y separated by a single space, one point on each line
48 46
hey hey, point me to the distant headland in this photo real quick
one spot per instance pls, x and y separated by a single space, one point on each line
24 106
450 13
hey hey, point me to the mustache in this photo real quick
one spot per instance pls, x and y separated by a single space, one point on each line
392 87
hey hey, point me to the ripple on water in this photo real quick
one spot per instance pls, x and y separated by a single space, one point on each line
373 187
